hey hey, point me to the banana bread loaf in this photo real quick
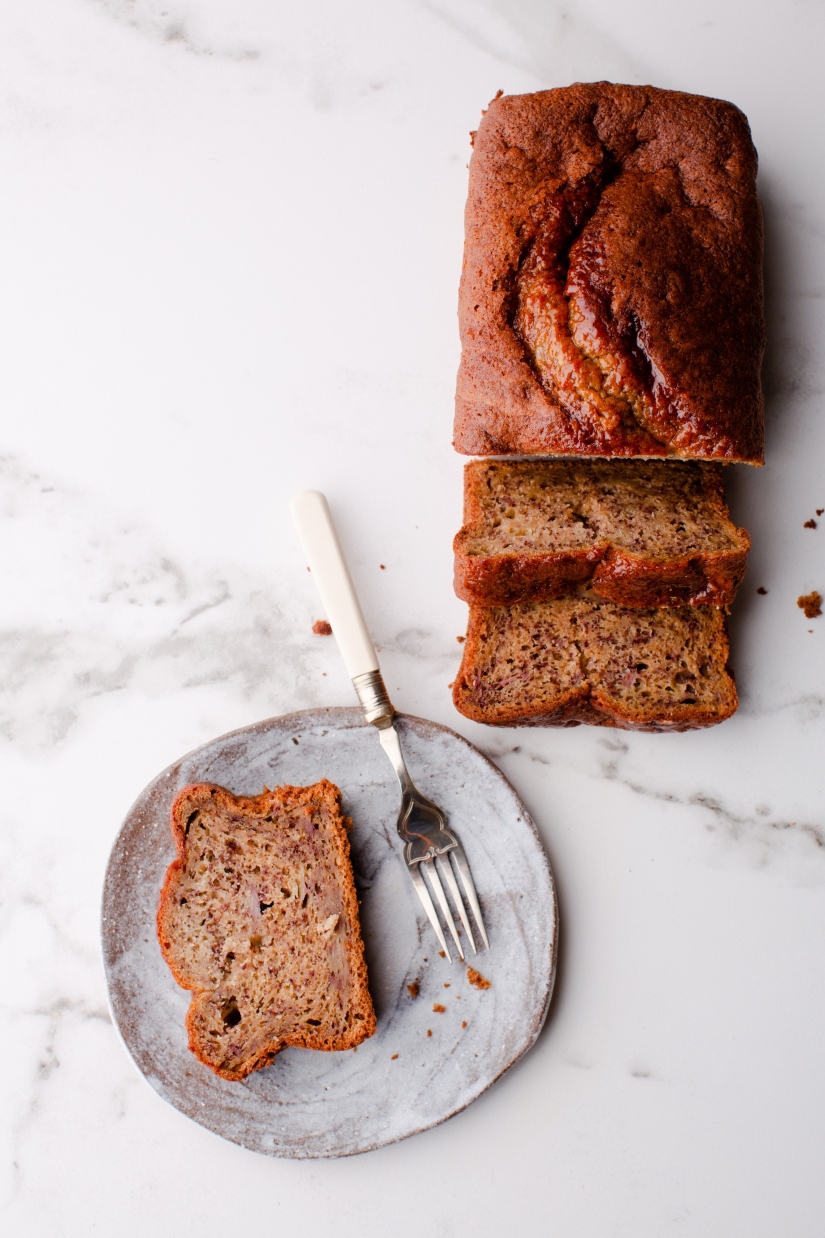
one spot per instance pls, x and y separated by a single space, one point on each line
578 659
258 917
611 294
646 533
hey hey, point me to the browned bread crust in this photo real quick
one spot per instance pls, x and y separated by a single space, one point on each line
258 916
578 660
611 294
644 533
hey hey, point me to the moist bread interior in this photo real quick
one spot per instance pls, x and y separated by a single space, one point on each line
656 510
581 659
259 917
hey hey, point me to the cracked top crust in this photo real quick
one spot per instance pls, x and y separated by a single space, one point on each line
611 295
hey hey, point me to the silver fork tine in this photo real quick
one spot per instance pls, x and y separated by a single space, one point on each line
469 888
427 903
446 870
445 906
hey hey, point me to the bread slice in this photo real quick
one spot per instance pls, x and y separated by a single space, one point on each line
579 659
645 533
258 917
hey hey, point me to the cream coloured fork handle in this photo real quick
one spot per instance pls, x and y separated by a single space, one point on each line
313 519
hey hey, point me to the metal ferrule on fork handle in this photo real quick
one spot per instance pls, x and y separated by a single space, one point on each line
374 700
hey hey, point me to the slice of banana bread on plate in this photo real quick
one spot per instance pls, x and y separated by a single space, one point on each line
258 916
645 533
580 659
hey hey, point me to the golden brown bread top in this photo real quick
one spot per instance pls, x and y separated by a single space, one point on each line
611 296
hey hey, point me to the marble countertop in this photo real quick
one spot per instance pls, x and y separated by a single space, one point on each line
229 252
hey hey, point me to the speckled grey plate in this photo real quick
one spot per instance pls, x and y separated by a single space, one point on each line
309 1104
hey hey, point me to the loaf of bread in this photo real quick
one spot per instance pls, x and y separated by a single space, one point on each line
645 533
578 659
258 917
611 294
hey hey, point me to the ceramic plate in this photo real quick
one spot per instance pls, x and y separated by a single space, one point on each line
422 1065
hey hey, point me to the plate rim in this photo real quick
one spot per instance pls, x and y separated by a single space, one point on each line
352 718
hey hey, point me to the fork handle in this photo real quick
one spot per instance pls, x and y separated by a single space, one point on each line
313 519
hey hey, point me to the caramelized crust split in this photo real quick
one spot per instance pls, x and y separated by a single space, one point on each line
580 659
611 294
258 916
644 533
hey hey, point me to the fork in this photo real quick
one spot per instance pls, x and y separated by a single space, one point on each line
429 845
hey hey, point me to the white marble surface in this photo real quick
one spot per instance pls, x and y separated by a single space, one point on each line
229 251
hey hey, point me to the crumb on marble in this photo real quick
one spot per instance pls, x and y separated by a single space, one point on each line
321 628
441 955
446 986
811 604
429 1031
413 988
464 1024
438 1008
394 1056
476 979
809 524
461 639
762 590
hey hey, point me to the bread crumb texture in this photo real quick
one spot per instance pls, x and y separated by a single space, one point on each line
476 979
321 628
580 659
258 917
644 533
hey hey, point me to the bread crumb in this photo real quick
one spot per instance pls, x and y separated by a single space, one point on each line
811 603
476 979
446 986
820 510
321 628
762 590
464 1024
441 955
394 1056
381 565
439 1009
809 524
429 1031
461 639
451 685
412 989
